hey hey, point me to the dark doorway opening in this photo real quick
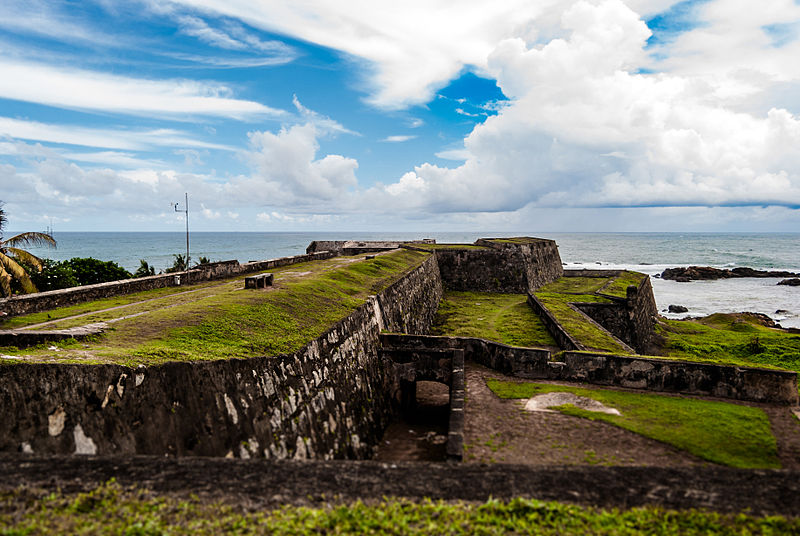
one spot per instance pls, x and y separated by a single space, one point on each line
420 432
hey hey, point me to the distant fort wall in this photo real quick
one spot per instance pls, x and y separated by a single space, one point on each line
511 265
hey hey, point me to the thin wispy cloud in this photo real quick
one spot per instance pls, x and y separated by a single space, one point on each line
397 138
89 90
104 138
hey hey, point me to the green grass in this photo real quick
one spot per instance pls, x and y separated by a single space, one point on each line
731 339
619 285
238 323
557 295
96 305
111 509
575 285
576 324
729 434
517 240
448 246
505 318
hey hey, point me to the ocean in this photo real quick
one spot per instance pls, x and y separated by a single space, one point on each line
649 253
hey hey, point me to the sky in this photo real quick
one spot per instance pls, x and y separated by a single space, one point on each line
503 116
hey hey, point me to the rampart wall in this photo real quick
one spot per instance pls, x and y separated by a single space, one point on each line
43 301
331 399
663 375
630 319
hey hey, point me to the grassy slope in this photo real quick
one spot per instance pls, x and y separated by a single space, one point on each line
238 323
88 307
575 323
730 339
505 318
557 295
619 286
110 509
730 434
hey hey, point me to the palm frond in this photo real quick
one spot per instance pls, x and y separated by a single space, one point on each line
20 255
5 281
31 239
12 269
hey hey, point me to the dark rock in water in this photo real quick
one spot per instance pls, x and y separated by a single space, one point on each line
677 309
684 274
781 312
794 282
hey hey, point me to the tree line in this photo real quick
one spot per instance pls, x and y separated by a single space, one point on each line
21 272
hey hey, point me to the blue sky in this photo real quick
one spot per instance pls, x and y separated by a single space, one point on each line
513 116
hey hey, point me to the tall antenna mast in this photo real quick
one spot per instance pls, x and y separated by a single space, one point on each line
185 211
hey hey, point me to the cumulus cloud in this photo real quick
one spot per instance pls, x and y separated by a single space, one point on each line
583 128
286 163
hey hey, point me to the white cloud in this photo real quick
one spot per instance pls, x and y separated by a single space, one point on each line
461 111
453 154
116 159
89 90
40 18
413 48
324 124
397 138
279 217
208 213
577 107
235 37
99 137
286 164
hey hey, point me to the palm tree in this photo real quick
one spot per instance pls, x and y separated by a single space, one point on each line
11 256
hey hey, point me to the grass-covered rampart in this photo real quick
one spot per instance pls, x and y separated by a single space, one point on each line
225 320
504 318
112 509
720 432
730 339
558 295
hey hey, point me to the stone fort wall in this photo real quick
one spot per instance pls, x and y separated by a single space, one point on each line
332 399
516 266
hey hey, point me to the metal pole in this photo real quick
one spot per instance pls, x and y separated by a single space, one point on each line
186 212
186 201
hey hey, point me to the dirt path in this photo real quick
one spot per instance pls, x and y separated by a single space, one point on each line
116 307
786 429
284 275
499 430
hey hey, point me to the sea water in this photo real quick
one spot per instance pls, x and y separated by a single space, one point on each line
649 253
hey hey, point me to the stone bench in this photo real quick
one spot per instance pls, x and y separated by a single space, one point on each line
258 281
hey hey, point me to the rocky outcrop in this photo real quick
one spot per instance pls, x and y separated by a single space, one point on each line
794 282
690 273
